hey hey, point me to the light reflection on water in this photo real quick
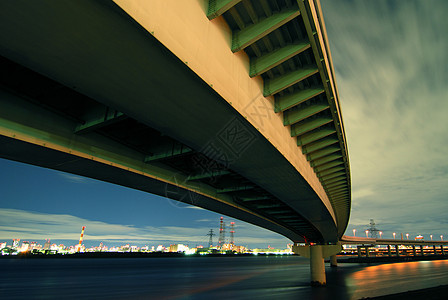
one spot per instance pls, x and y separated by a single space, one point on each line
384 279
281 277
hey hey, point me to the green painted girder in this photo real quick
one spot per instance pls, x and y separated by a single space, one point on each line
282 103
291 117
218 7
322 143
249 199
337 189
249 35
328 166
342 194
314 136
334 180
279 83
340 199
334 184
259 65
277 212
235 189
304 127
330 171
332 175
99 118
287 217
320 155
268 205
209 175
172 151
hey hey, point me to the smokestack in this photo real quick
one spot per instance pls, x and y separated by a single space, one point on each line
80 239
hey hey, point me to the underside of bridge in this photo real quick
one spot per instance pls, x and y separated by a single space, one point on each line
86 89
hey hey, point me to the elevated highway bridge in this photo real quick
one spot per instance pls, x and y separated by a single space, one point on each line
229 105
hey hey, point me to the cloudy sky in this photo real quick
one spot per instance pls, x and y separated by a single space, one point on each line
390 59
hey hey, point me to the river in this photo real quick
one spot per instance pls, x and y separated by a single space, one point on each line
257 277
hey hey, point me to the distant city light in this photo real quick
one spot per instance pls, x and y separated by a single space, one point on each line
394 235
407 236
367 233
354 232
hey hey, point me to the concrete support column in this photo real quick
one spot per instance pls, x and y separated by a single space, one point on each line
367 252
413 250
317 266
359 251
388 251
333 261
422 251
441 247
397 250
435 250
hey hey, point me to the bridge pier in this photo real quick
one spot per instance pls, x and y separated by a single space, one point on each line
397 250
333 261
414 251
317 266
441 247
389 252
316 254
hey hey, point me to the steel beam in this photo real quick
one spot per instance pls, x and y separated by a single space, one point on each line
277 212
252 199
306 126
325 159
339 180
279 83
169 152
332 175
328 166
259 65
218 7
322 143
98 118
319 156
314 136
330 171
209 175
268 205
235 189
294 116
249 35
282 103
334 180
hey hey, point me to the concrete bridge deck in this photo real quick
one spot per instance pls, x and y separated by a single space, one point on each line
225 104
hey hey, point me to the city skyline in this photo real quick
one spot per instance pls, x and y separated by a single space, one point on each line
389 61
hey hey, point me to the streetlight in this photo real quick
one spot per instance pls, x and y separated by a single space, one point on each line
381 233
431 237
354 232
441 237
407 236
367 233
394 235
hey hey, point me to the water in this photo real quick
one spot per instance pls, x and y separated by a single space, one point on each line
258 277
